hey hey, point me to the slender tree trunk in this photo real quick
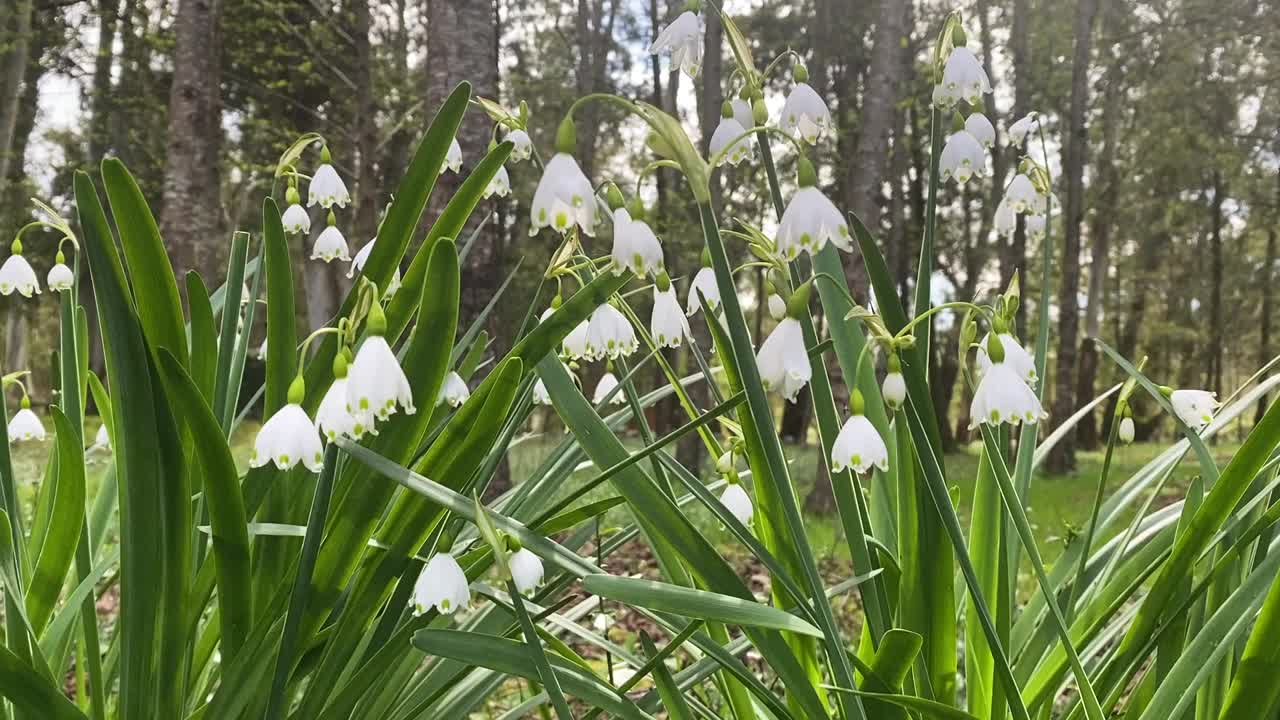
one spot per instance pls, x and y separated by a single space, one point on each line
192 216
1217 337
1014 257
15 34
100 95
871 155
1064 402
367 176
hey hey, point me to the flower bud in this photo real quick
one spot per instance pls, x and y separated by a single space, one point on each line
613 196
759 112
800 73
1126 430
777 307
798 306
806 175
566 136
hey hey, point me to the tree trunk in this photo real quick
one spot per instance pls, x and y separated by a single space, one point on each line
1014 255
366 175
1213 369
100 95
871 155
15 34
192 215
1064 402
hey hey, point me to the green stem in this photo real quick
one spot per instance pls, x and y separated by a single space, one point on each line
1074 589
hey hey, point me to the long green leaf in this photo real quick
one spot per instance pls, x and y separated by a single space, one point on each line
63 535
693 603
31 694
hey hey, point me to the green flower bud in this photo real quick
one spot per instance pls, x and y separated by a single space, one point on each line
291 195
800 73
857 405
806 175
333 219
613 196
325 157
297 391
376 322
726 109
60 258
340 363
566 136
798 305
995 349
663 281
958 36
759 112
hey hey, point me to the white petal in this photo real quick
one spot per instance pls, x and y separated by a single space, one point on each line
737 501
859 447
442 585
526 570
25 425
327 189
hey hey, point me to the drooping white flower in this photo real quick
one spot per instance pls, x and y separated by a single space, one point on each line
894 389
805 113
362 257
731 131
326 188
287 438
575 343
376 385
962 158
522 145
635 247
453 390
1035 225
330 244
452 158
1194 407
1023 197
736 500
742 113
1014 355
1003 396
60 277
334 420
609 334
564 198
777 307
526 570
25 425
668 326
540 394
981 128
809 221
296 220
784 360
704 283
859 447
1126 430
963 78
1005 220
683 39
1023 126
441 585
500 185
606 385
102 439
16 274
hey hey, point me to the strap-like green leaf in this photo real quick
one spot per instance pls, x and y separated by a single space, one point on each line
65 522
693 603
32 695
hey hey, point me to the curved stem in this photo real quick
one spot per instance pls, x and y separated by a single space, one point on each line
653 167
939 308
716 159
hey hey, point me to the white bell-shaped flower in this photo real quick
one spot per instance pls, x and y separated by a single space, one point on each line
805 113
25 424
981 128
287 438
376 384
102 439
1005 219
526 570
683 39
1035 225
296 220
742 112
453 390
894 389
17 274
441 585
809 221
859 447
1014 355
330 244
1003 396
1023 197
564 198
500 185
333 420
326 188
963 78
575 343
1126 430
736 500
60 276
452 158
668 326
603 389
1195 408
1022 127
609 334
704 284
784 360
962 158
729 134
635 247
521 145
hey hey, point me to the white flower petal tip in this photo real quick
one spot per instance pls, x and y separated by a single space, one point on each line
17 275
805 113
26 426
102 440
736 500
962 158
522 145
287 438
894 390
376 385
730 134
1195 408
1003 396
60 278
330 245
564 198
635 247
1035 225
453 158
1022 127
362 257
333 420
963 78
454 390
575 343
605 391
784 360
609 334
1023 197
809 222
683 39
296 220
442 585
859 447
526 571
668 327
327 189
981 128
540 394
500 185
704 285
1126 431
1014 355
